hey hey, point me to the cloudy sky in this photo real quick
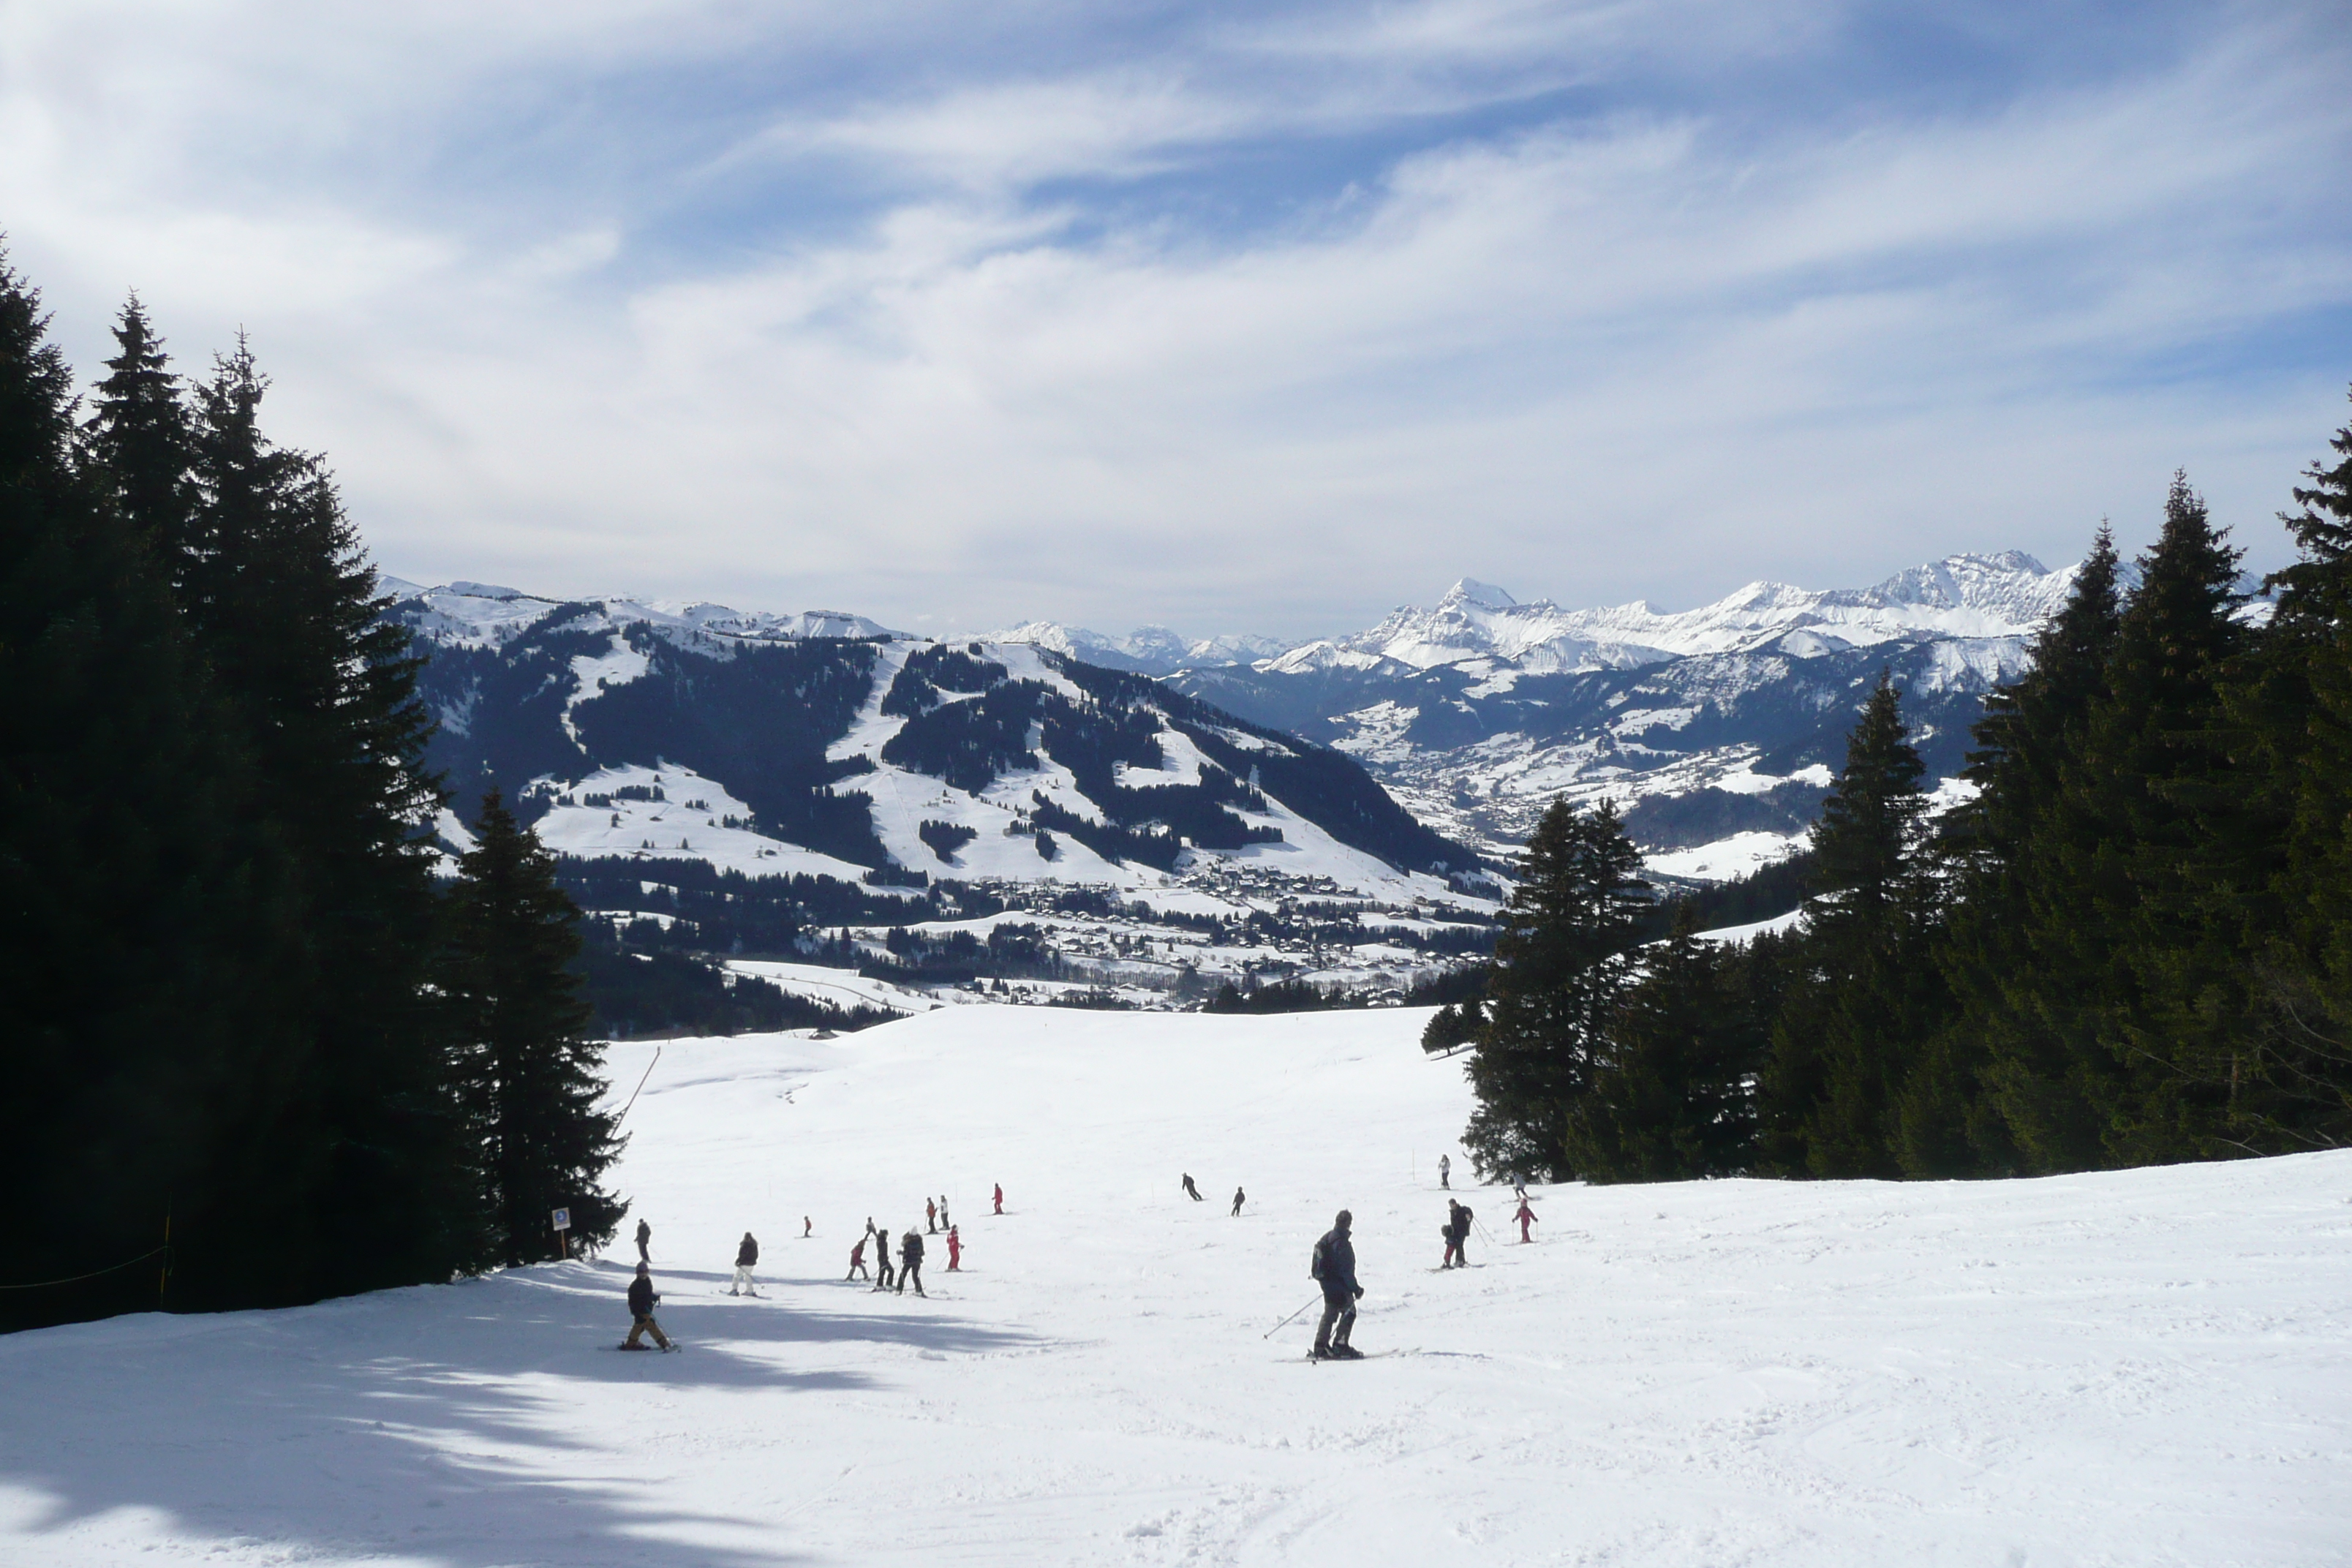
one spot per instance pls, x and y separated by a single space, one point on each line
1255 317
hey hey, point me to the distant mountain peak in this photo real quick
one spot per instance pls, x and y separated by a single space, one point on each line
1469 590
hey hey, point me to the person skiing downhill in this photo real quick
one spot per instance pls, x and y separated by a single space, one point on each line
1000 1197
1335 1269
1526 1216
642 1301
911 1262
644 1242
1445 1173
930 1213
857 1262
1238 1197
1191 1191
955 1251
745 1255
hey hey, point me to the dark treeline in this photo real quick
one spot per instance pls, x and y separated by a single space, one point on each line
2133 946
239 1002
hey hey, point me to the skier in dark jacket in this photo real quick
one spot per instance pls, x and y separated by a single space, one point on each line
642 1301
911 1262
1191 1191
1239 1198
1335 1269
745 1255
644 1242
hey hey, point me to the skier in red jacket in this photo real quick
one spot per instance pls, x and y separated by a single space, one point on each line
1000 1197
955 1250
1526 1216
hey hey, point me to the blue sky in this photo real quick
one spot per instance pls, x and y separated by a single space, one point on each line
1233 318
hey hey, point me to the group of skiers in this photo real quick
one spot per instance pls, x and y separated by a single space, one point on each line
1333 1265
1192 1192
910 1250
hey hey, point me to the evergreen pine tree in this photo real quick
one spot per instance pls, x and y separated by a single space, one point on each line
141 442
2174 851
519 1025
1669 1096
283 605
2294 699
1865 995
1551 991
2011 947
117 796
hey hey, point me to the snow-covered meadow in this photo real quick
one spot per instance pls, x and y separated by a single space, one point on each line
2147 1367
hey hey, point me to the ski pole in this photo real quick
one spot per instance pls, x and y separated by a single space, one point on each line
1310 1301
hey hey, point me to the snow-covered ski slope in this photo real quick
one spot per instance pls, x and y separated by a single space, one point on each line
2142 1368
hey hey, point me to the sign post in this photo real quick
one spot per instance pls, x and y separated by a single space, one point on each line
563 1230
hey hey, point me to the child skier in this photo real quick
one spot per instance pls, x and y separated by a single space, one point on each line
1526 1216
857 1262
955 1250
1445 1173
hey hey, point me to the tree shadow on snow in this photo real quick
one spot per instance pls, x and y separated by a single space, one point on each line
394 1422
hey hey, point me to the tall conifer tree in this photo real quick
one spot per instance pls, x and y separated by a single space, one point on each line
2164 786
2294 700
283 603
117 795
1552 989
1866 994
2013 949
520 1027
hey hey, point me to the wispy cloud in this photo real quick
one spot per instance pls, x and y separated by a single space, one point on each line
1224 320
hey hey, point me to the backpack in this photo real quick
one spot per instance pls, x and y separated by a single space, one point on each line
1322 1257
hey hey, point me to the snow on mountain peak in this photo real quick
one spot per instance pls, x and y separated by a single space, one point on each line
1486 596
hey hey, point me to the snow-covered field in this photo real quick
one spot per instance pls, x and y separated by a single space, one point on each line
2142 1368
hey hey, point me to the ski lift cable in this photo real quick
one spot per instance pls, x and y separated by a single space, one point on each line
640 1089
77 1278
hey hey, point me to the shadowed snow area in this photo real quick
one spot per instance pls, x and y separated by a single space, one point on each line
2142 1367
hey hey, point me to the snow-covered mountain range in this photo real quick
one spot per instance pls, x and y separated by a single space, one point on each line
1714 727
1204 783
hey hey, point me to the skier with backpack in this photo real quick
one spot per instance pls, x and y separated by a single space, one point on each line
911 1262
642 1302
1334 1268
745 1255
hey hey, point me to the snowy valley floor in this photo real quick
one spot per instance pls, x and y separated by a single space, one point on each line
2143 1368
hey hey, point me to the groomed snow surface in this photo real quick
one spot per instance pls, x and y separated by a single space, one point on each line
2141 1368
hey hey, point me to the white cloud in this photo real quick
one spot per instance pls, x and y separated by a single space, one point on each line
1655 349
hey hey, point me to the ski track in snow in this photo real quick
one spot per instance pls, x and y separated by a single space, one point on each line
2136 1368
